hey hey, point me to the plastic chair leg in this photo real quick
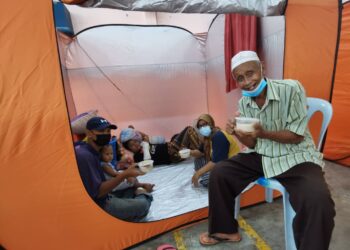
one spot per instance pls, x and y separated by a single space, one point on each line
268 195
288 223
237 206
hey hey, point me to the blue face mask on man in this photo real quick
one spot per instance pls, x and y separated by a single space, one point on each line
257 91
205 130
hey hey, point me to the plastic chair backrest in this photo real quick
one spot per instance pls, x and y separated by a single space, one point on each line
317 104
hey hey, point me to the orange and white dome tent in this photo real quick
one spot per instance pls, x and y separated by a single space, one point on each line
43 202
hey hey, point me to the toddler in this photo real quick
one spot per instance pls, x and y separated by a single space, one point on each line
110 171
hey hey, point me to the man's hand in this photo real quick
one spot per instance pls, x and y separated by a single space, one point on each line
246 138
258 132
231 124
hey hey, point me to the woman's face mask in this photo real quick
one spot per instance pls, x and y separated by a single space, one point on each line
205 130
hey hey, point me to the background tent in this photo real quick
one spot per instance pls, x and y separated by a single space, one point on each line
43 200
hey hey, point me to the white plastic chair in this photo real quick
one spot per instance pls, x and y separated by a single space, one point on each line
270 184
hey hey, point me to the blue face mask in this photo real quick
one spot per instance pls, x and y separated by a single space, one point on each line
205 130
257 91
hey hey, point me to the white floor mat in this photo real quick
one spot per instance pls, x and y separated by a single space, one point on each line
173 192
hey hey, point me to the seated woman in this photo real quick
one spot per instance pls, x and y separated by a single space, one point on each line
164 153
217 146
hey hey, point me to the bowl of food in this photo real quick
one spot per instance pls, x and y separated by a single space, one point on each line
145 166
185 153
246 124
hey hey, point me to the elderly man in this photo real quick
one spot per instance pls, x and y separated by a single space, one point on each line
281 147
129 204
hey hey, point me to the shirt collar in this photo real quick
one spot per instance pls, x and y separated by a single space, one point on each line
272 93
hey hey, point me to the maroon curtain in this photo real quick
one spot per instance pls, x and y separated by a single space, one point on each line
240 34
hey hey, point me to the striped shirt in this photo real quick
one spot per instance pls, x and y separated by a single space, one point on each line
284 109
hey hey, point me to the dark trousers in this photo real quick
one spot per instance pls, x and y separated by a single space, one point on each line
308 193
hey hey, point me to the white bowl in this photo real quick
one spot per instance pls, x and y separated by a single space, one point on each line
146 165
246 124
185 153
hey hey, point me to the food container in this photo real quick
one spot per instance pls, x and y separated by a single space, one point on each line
246 124
185 153
146 165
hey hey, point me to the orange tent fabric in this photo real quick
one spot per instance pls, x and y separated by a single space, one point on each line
44 204
311 38
337 146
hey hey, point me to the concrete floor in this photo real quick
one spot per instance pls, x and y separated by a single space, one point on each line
261 226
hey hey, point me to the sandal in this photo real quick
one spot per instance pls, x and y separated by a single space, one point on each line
208 240
166 247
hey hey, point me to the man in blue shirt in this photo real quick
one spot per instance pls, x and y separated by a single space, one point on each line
130 205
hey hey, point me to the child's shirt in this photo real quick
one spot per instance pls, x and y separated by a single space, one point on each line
123 185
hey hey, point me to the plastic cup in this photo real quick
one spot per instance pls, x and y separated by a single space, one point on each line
145 166
246 124
185 153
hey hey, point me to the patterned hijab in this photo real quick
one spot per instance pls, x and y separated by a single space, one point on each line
207 118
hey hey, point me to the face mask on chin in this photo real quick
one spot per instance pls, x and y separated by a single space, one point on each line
102 139
257 91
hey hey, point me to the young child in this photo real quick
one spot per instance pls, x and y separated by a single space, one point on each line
110 171
126 159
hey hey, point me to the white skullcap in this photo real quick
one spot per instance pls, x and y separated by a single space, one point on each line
242 57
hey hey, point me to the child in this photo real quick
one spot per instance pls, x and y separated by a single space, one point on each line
126 159
110 171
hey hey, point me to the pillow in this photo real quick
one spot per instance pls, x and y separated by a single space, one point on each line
78 123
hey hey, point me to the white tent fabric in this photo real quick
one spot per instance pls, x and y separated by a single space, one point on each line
112 45
221 104
272 45
254 7
151 77
83 18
